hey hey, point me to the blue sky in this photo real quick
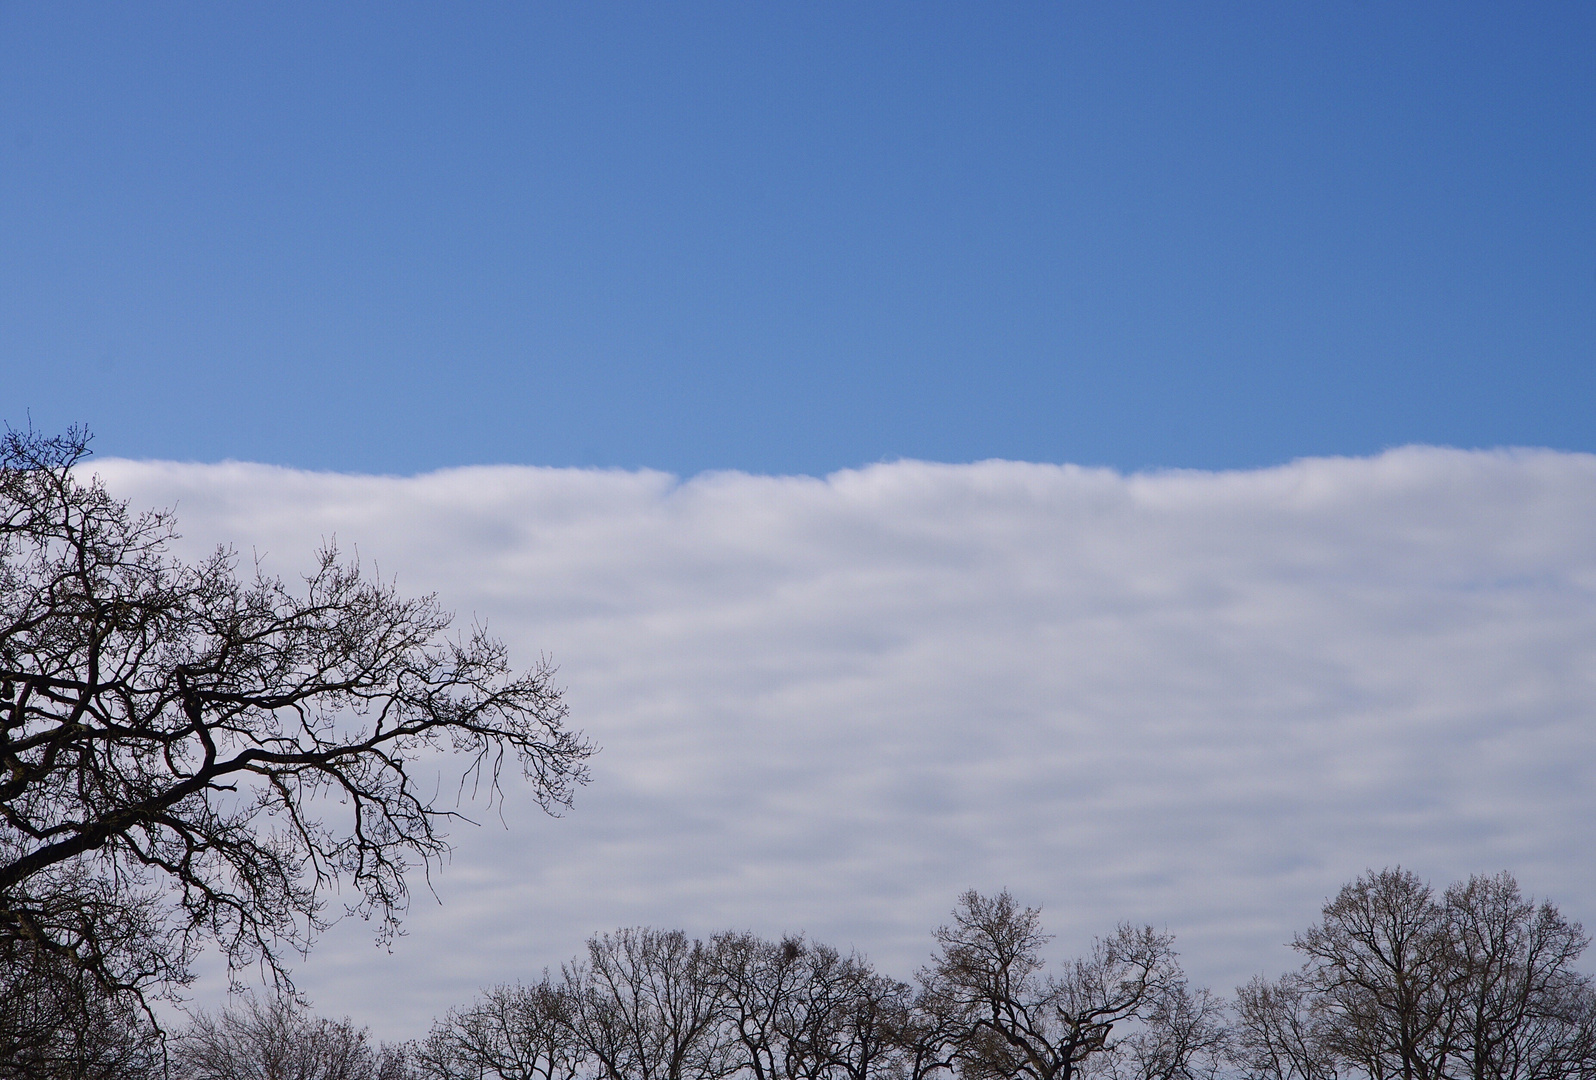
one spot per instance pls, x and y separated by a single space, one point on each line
795 238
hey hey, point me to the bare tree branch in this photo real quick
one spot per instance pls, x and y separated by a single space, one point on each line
189 756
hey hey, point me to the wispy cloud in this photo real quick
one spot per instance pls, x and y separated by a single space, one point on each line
1202 700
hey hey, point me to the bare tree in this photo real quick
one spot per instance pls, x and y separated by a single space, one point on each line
1479 984
188 756
1185 1035
798 1010
1279 1034
872 1033
1013 1023
645 1007
1523 1010
928 1034
756 981
279 1040
655 1005
1381 970
509 1033
56 1024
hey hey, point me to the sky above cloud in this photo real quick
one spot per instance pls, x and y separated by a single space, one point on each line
797 238
1198 699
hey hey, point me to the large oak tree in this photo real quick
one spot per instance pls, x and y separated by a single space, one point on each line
192 755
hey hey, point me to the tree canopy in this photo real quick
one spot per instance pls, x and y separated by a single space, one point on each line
192 755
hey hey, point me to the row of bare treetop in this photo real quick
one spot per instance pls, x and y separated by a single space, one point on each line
1399 983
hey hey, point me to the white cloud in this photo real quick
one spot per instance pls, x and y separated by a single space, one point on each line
1202 700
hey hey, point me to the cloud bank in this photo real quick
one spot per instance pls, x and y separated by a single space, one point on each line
1200 700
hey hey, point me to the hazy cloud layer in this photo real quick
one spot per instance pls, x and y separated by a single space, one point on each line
1200 700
